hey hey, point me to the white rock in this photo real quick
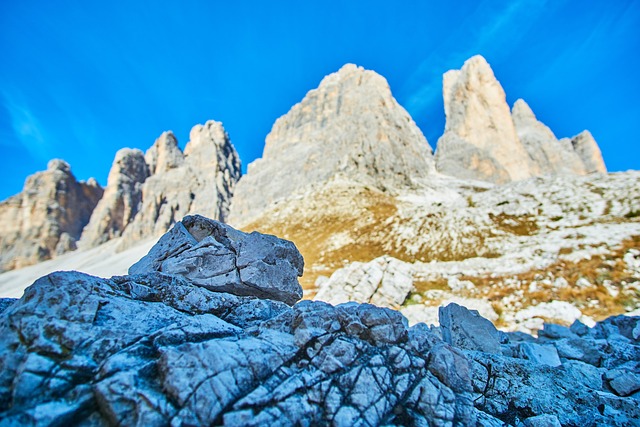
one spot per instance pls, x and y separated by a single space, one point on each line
351 127
384 281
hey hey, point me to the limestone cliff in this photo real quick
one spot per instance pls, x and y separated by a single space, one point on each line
121 200
47 217
485 141
349 128
480 139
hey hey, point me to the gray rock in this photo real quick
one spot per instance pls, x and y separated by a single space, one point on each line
161 349
45 219
587 351
537 353
143 198
551 331
385 281
121 200
586 147
551 155
622 382
155 349
450 366
5 303
349 128
542 421
164 154
587 375
466 329
579 328
214 255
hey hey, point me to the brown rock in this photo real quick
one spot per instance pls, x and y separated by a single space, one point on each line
47 217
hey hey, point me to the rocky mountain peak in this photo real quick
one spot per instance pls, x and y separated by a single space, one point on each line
121 200
58 164
484 140
522 113
164 154
205 141
349 128
129 165
480 140
47 217
586 147
147 194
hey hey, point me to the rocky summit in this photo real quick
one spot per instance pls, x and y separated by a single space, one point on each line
164 348
350 128
486 141
47 217
146 194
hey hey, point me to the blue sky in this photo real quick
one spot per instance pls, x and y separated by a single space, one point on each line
80 79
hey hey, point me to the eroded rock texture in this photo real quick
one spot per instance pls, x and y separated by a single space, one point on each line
214 255
47 217
160 349
349 128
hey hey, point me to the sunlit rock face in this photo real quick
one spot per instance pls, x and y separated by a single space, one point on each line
349 128
589 152
480 139
486 141
47 217
147 194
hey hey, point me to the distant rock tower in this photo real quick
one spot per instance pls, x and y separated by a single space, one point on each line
147 194
486 141
47 217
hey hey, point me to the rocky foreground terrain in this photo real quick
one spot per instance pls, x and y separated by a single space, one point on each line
206 330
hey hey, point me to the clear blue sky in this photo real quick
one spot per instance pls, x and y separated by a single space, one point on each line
79 80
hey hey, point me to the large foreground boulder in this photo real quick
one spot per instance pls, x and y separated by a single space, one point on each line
216 256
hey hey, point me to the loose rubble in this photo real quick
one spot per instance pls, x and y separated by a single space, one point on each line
162 348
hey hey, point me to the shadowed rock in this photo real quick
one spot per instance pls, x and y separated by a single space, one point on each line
160 349
466 329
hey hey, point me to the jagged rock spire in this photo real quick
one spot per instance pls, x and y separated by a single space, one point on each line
480 140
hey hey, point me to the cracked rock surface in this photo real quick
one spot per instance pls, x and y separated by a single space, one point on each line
159 348
218 257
